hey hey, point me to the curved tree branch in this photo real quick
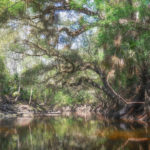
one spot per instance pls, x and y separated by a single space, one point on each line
68 7
75 33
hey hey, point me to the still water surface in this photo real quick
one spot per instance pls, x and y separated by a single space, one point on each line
71 133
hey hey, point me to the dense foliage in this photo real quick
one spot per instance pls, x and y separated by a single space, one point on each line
97 47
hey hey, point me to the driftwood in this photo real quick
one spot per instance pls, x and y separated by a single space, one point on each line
133 140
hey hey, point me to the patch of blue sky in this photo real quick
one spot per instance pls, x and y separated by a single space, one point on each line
68 15
90 4
13 24
75 26
42 36
81 41
63 38
77 42
90 19
58 4
47 16
26 30
74 17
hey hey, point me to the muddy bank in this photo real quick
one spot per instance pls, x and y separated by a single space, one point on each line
16 110
25 110
85 111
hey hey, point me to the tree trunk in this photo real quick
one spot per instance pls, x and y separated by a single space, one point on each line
136 109
30 96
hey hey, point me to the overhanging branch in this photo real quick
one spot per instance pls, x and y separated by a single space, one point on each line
68 7
75 33
83 80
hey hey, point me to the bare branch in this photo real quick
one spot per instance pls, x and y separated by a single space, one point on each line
75 33
68 7
84 80
36 46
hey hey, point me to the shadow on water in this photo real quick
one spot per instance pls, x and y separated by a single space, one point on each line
72 133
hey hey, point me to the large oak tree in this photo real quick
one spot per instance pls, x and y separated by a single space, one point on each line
113 57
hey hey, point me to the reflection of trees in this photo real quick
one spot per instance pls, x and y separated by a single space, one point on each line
126 137
139 140
69 134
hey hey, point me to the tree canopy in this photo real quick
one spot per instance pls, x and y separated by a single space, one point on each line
100 45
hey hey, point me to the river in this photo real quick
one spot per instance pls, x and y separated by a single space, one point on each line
72 133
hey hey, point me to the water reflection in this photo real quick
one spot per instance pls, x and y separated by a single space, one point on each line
71 133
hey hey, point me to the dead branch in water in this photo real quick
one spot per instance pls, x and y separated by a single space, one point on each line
133 140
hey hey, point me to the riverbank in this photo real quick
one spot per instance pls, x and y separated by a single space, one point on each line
12 110
24 110
16 110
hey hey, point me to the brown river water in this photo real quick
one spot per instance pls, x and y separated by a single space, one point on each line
72 133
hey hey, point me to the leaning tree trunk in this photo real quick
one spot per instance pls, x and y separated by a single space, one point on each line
139 107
